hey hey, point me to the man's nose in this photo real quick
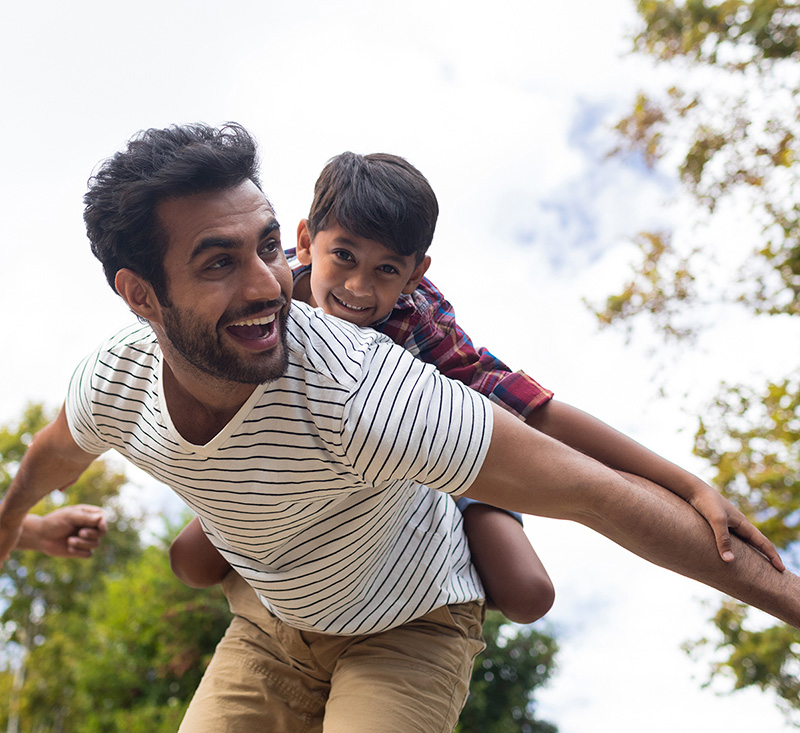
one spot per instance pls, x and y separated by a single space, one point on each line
260 282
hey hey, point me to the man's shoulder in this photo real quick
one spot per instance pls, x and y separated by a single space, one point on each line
131 350
137 338
330 345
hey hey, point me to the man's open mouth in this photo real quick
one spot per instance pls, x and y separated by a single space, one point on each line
252 329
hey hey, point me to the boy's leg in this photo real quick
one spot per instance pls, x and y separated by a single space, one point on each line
513 576
412 679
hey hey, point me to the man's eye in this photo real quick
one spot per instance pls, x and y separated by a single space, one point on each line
269 247
219 263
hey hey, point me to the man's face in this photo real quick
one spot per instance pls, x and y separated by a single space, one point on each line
228 282
354 278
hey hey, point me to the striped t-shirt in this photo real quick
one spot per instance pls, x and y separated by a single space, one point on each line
316 491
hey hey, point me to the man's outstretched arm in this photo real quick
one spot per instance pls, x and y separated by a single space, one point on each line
53 460
529 472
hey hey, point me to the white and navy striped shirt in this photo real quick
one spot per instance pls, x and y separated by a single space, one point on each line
316 491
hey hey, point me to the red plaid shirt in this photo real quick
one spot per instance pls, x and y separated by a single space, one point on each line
424 323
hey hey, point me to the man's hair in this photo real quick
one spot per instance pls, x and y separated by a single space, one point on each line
379 196
156 165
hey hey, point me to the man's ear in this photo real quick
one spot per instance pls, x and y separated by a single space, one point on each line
138 294
417 276
303 250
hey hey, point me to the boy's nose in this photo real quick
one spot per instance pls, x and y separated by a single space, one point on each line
358 284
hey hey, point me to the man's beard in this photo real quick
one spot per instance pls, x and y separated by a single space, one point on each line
203 348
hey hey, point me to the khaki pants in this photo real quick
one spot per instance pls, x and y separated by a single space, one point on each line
269 677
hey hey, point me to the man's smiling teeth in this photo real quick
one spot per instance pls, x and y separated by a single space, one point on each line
263 321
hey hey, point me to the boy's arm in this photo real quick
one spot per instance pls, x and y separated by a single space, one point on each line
69 531
591 436
52 460
527 471
194 560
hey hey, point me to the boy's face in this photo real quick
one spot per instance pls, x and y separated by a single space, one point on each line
354 278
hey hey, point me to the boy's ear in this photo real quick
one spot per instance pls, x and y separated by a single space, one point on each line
303 249
417 276
138 294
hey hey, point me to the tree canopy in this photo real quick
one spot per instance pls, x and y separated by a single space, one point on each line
727 128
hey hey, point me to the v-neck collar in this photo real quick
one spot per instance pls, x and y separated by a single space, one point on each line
222 436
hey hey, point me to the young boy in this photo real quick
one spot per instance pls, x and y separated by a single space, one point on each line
361 256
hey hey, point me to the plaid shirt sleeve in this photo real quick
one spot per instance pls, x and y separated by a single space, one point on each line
424 323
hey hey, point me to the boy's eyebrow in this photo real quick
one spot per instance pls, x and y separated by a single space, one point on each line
229 243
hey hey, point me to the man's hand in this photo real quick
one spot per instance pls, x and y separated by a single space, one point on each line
724 517
70 531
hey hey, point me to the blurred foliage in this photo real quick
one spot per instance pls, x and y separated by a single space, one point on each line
731 133
766 658
110 643
752 440
516 662
728 130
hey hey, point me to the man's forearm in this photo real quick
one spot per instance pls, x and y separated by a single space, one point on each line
529 472
660 527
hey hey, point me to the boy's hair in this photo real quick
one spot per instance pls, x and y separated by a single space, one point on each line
380 197
159 164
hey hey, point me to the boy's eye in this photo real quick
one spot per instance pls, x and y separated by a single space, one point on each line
388 269
344 255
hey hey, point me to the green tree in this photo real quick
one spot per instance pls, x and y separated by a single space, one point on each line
112 643
729 130
151 640
35 589
516 662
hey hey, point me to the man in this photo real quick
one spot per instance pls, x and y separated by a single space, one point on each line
317 456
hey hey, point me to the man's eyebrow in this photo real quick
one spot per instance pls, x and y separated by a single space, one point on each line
229 243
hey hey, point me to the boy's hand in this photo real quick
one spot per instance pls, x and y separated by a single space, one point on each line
73 531
70 531
724 517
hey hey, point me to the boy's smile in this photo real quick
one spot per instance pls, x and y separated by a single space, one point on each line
356 279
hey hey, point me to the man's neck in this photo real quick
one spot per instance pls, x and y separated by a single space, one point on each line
200 407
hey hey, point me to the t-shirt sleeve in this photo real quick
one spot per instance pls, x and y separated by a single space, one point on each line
437 339
407 421
78 408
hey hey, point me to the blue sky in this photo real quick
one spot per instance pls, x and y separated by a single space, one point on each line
506 108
